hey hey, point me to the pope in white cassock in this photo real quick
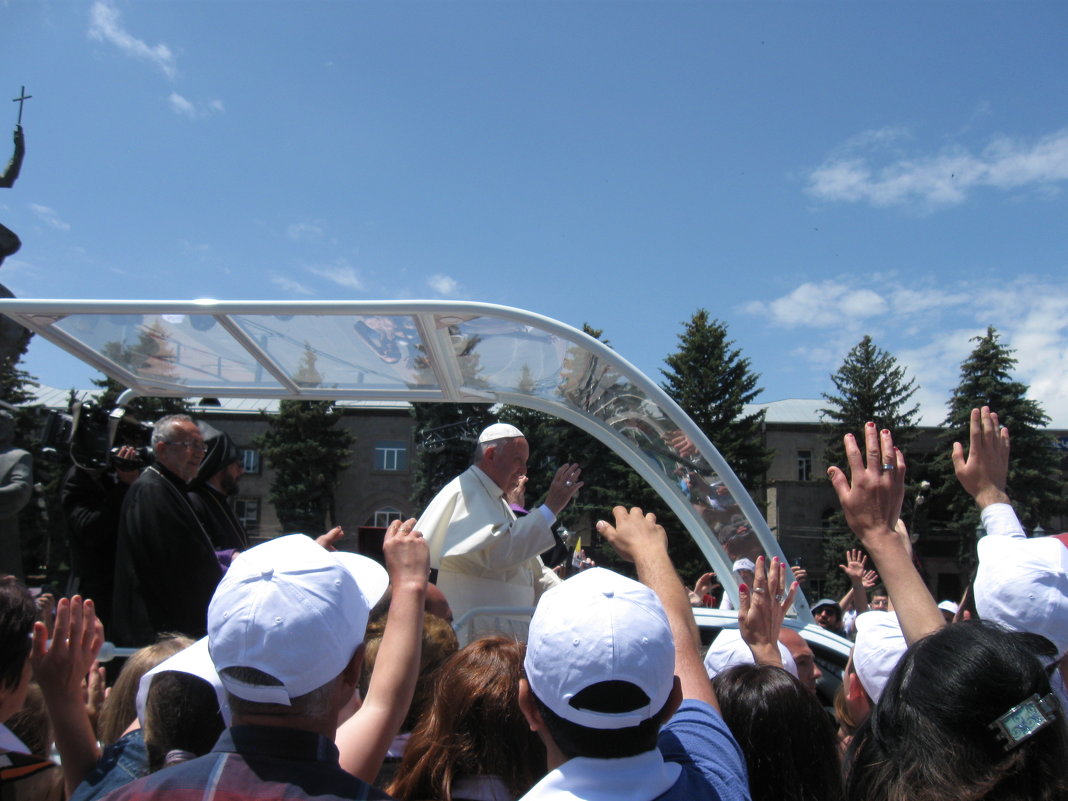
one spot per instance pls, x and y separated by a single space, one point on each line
484 554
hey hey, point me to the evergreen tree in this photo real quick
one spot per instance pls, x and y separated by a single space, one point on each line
1035 482
308 451
710 379
871 386
712 382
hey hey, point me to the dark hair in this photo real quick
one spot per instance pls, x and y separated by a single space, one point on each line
472 726
574 740
120 707
929 736
787 737
17 615
181 713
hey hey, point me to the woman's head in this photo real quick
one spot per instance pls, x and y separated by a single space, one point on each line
930 735
120 708
786 736
472 726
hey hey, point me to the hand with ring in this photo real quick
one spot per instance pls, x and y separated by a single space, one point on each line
871 497
564 486
762 607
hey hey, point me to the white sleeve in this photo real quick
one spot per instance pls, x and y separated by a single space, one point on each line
1000 520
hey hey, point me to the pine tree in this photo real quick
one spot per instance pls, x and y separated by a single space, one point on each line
870 386
308 451
1035 482
713 382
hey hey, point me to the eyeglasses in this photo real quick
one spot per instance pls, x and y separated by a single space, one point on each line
199 447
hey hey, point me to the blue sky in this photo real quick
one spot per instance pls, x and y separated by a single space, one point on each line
808 172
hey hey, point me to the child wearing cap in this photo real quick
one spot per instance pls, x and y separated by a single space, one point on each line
615 687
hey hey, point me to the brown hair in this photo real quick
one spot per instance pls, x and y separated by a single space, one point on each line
120 708
472 726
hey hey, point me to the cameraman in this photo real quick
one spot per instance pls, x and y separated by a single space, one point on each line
92 498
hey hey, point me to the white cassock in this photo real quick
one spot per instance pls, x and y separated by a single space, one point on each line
484 554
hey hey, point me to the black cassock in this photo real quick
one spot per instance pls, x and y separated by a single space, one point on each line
165 567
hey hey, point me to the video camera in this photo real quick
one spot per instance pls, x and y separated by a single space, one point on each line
95 436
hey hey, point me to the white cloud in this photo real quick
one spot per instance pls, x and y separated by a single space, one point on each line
930 328
340 274
104 26
444 285
305 231
182 106
823 305
290 286
49 217
187 108
942 179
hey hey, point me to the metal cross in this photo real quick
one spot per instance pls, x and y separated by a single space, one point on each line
22 98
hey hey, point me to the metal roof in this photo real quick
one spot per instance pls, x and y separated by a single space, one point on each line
414 351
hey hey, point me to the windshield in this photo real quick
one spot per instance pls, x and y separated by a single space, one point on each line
418 351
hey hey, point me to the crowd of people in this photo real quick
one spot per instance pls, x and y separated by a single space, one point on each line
290 669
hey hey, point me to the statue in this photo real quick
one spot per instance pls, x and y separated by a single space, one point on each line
13 337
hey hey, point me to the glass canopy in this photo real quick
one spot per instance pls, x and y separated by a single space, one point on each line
418 351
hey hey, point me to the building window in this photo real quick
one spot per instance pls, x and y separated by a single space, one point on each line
383 517
250 460
391 455
248 513
804 465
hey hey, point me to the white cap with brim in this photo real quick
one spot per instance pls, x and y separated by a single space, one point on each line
596 627
1023 585
949 606
499 431
729 649
744 564
878 648
293 610
194 660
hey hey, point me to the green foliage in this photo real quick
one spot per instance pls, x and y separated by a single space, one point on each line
712 382
870 386
1035 482
308 451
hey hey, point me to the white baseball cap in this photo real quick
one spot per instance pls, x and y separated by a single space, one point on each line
499 431
949 606
1023 585
729 649
293 610
878 648
744 564
600 626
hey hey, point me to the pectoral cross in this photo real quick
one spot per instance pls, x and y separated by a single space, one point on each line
22 98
